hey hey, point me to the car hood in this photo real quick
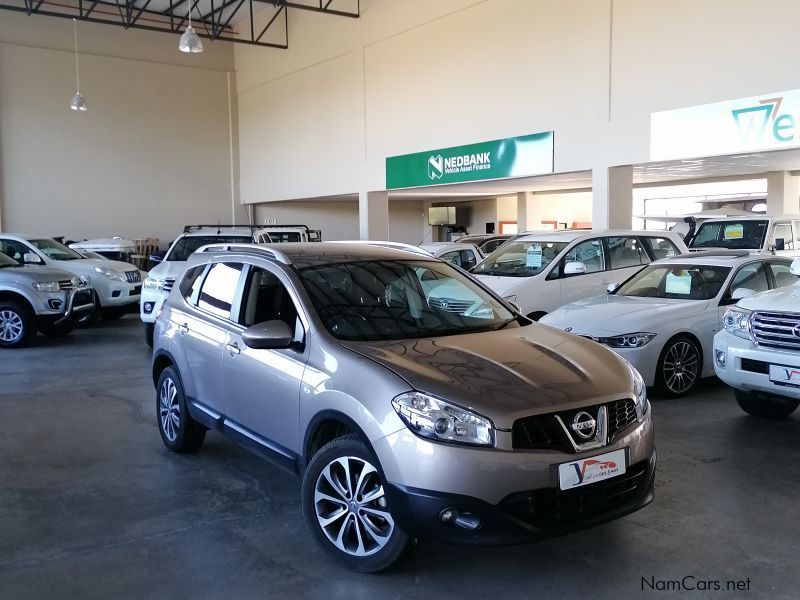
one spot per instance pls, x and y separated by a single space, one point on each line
786 299
506 374
30 273
503 286
612 315
86 266
166 269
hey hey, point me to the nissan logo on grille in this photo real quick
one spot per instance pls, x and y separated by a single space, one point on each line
584 424
796 330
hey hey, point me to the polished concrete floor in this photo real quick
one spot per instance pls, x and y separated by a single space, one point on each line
93 506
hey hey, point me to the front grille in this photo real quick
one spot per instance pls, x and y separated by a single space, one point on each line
778 331
544 432
65 285
553 507
133 276
451 305
82 297
755 366
168 283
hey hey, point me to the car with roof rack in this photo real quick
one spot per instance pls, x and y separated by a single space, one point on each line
405 421
161 278
278 234
116 285
758 351
544 270
37 298
779 234
663 319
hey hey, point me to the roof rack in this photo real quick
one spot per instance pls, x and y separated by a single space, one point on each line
190 228
270 253
382 244
314 235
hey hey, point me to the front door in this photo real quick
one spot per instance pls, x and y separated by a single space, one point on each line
591 283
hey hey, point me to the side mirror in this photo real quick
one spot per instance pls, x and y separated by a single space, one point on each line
155 258
794 269
742 292
515 306
31 258
270 335
574 268
780 244
612 287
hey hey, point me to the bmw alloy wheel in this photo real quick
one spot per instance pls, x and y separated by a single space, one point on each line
170 411
350 506
681 367
11 327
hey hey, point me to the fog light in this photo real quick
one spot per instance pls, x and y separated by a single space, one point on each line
719 358
148 307
448 515
115 294
462 520
55 304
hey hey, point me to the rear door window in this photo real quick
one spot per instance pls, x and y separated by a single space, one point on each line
660 247
626 252
783 231
218 291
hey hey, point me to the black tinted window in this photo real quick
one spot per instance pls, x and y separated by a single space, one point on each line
730 234
219 289
191 280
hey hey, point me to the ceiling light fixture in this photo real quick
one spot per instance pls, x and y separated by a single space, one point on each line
190 41
78 101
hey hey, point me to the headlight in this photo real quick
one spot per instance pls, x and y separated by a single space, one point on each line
47 286
441 421
111 274
737 322
627 340
152 283
639 393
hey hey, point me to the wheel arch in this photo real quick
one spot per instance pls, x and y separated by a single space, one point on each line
18 297
325 426
692 337
161 361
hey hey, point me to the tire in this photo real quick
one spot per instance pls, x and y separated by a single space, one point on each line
17 324
357 548
679 367
765 405
179 431
148 333
58 330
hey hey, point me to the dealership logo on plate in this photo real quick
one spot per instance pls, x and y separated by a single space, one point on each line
436 167
591 470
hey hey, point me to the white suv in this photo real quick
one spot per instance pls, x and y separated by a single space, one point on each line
758 352
161 278
763 233
542 271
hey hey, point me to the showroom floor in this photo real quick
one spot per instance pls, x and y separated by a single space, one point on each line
93 506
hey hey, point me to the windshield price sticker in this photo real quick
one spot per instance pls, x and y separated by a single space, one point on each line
679 284
533 257
734 232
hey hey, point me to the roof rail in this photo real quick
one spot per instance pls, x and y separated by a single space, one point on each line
314 235
382 244
720 252
257 249
189 228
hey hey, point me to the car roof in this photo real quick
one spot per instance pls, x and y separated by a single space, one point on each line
441 245
720 258
570 235
213 231
752 218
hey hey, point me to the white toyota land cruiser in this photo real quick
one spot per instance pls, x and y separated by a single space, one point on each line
758 351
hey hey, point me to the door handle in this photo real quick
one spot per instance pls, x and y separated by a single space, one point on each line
233 349
184 329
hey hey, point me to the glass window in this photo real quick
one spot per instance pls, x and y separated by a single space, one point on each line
783 231
6 260
282 237
783 276
453 257
735 235
392 300
524 258
752 277
468 259
219 289
626 252
190 281
590 253
52 249
684 282
14 249
797 232
185 246
267 299
492 245
661 247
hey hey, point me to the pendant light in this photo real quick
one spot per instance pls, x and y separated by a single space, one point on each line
190 41
78 101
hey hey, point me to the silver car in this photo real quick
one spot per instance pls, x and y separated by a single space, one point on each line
407 416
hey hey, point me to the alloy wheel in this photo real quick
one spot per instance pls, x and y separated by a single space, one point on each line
681 366
350 506
11 327
170 410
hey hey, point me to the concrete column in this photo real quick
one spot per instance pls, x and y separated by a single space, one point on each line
612 197
522 211
782 193
373 215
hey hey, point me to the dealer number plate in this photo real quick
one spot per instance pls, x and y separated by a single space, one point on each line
784 374
591 470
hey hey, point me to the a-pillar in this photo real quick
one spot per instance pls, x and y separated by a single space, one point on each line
612 197
782 193
373 215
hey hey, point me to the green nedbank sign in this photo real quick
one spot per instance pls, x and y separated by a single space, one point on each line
511 157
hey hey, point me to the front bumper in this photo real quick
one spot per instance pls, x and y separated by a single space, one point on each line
77 303
644 359
522 516
746 366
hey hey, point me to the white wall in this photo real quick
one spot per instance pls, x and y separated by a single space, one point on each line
151 154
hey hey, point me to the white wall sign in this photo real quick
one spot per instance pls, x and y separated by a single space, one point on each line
768 122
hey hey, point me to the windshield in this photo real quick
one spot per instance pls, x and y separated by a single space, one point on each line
185 246
394 300
52 249
523 258
7 261
736 235
684 282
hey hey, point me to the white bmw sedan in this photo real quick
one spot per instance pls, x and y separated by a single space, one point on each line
663 318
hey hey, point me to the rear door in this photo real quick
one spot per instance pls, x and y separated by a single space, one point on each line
626 256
